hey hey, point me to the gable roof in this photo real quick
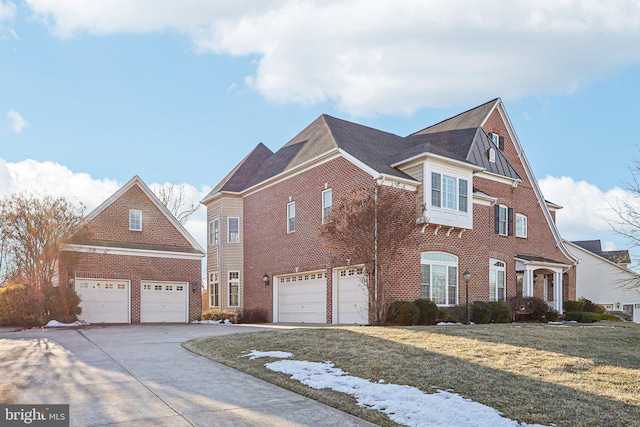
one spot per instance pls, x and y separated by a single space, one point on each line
473 118
137 182
595 246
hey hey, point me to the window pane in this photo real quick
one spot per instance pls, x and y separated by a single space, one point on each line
501 288
492 285
502 220
439 284
435 189
438 256
449 192
453 285
425 280
291 217
234 230
327 202
462 195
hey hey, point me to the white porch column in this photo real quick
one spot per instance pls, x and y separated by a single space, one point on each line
527 285
557 290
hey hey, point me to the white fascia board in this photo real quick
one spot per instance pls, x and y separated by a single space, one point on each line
130 252
443 159
480 199
323 158
532 179
498 178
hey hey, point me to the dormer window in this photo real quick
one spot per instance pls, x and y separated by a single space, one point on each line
492 155
135 220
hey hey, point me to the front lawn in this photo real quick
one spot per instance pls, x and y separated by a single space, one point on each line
567 375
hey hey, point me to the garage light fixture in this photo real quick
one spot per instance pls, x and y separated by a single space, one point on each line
194 286
265 279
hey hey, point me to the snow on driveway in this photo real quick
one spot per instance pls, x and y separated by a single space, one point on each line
401 403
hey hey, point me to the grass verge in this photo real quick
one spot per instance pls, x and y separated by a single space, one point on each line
569 376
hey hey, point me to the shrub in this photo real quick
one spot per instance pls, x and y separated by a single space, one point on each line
428 311
403 313
20 305
61 303
531 309
480 312
581 316
552 315
607 316
572 306
500 312
590 307
256 315
455 314
216 314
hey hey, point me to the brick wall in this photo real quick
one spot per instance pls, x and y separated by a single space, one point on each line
136 269
269 249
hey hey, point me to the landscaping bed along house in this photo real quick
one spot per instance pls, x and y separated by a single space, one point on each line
569 374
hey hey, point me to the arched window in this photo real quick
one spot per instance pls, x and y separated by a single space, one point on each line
439 277
497 273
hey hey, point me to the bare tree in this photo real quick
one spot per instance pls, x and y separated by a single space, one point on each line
173 197
369 227
32 229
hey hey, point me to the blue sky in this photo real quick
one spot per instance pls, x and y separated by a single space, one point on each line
93 93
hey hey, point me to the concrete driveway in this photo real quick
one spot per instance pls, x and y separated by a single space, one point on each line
139 375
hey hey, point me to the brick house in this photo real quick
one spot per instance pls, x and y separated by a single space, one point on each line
479 208
131 261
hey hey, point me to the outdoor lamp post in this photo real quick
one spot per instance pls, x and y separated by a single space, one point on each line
467 276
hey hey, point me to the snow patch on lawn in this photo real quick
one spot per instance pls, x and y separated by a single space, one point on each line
56 324
212 322
255 354
401 403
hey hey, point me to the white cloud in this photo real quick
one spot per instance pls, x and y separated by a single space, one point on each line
587 210
17 123
33 177
379 57
7 10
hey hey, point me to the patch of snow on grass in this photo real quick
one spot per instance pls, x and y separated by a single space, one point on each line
255 354
56 324
401 403
448 324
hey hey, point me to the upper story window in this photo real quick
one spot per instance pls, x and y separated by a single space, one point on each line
327 202
291 217
214 231
503 220
497 140
233 229
449 192
521 225
135 220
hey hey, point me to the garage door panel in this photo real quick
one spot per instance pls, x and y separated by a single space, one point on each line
163 302
353 297
302 298
103 300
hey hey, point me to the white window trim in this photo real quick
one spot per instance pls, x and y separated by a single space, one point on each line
290 228
229 229
522 225
493 279
506 220
326 209
139 213
445 264
214 280
229 283
214 231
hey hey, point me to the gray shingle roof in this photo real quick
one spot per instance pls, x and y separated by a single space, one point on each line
595 246
460 138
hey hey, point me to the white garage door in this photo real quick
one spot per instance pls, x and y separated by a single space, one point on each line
103 300
163 302
302 298
353 301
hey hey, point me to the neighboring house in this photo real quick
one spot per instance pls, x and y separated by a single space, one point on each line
603 277
131 261
478 204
